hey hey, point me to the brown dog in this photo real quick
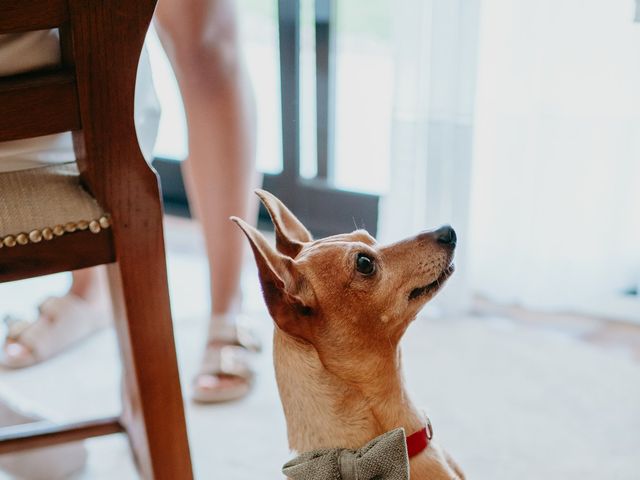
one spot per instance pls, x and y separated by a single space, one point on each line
341 305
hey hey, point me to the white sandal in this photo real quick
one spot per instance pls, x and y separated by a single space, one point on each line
225 372
63 322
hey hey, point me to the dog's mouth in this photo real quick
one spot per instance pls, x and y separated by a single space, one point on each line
433 286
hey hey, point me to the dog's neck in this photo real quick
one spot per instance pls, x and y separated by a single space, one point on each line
322 410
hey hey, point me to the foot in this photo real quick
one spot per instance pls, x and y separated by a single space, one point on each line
62 322
225 372
48 463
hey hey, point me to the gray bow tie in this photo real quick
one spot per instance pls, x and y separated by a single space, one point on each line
383 458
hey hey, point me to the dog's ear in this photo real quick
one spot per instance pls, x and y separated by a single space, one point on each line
288 296
291 234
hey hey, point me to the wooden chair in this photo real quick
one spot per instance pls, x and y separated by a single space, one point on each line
92 95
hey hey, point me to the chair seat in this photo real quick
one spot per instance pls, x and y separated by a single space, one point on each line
46 202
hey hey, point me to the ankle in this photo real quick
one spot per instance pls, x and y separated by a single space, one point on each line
89 285
221 324
225 317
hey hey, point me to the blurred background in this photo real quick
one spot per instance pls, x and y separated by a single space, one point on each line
516 122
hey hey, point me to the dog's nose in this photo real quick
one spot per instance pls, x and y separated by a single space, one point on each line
446 235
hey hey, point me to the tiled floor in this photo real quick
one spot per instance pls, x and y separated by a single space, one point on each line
510 395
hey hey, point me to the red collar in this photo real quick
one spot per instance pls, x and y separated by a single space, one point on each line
419 441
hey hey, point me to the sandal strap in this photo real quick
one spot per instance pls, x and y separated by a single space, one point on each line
15 326
51 307
233 335
226 360
55 306
45 338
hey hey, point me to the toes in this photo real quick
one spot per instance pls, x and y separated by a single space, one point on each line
217 382
212 388
16 354
207 382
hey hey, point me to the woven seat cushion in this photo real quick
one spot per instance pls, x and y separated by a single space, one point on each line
45 202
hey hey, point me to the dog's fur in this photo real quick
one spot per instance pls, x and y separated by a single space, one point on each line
336 352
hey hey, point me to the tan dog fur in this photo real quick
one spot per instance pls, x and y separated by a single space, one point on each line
336 341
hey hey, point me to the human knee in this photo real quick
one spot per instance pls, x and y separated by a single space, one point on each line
206 47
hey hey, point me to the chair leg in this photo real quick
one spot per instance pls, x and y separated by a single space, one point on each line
153 412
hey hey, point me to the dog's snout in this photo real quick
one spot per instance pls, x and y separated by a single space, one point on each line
446 235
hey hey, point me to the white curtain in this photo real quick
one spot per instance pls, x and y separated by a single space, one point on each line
435 65
556 182
519 124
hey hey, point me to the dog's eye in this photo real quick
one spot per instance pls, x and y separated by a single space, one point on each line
365 264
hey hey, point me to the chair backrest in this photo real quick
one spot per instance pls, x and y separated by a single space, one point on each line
91 94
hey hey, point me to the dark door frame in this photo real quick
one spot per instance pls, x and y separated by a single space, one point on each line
322 207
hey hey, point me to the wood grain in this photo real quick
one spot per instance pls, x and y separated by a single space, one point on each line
26 15
125 185
37 104
71 251
39 434
101 43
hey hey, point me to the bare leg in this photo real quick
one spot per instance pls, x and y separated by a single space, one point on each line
85 283
201 40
